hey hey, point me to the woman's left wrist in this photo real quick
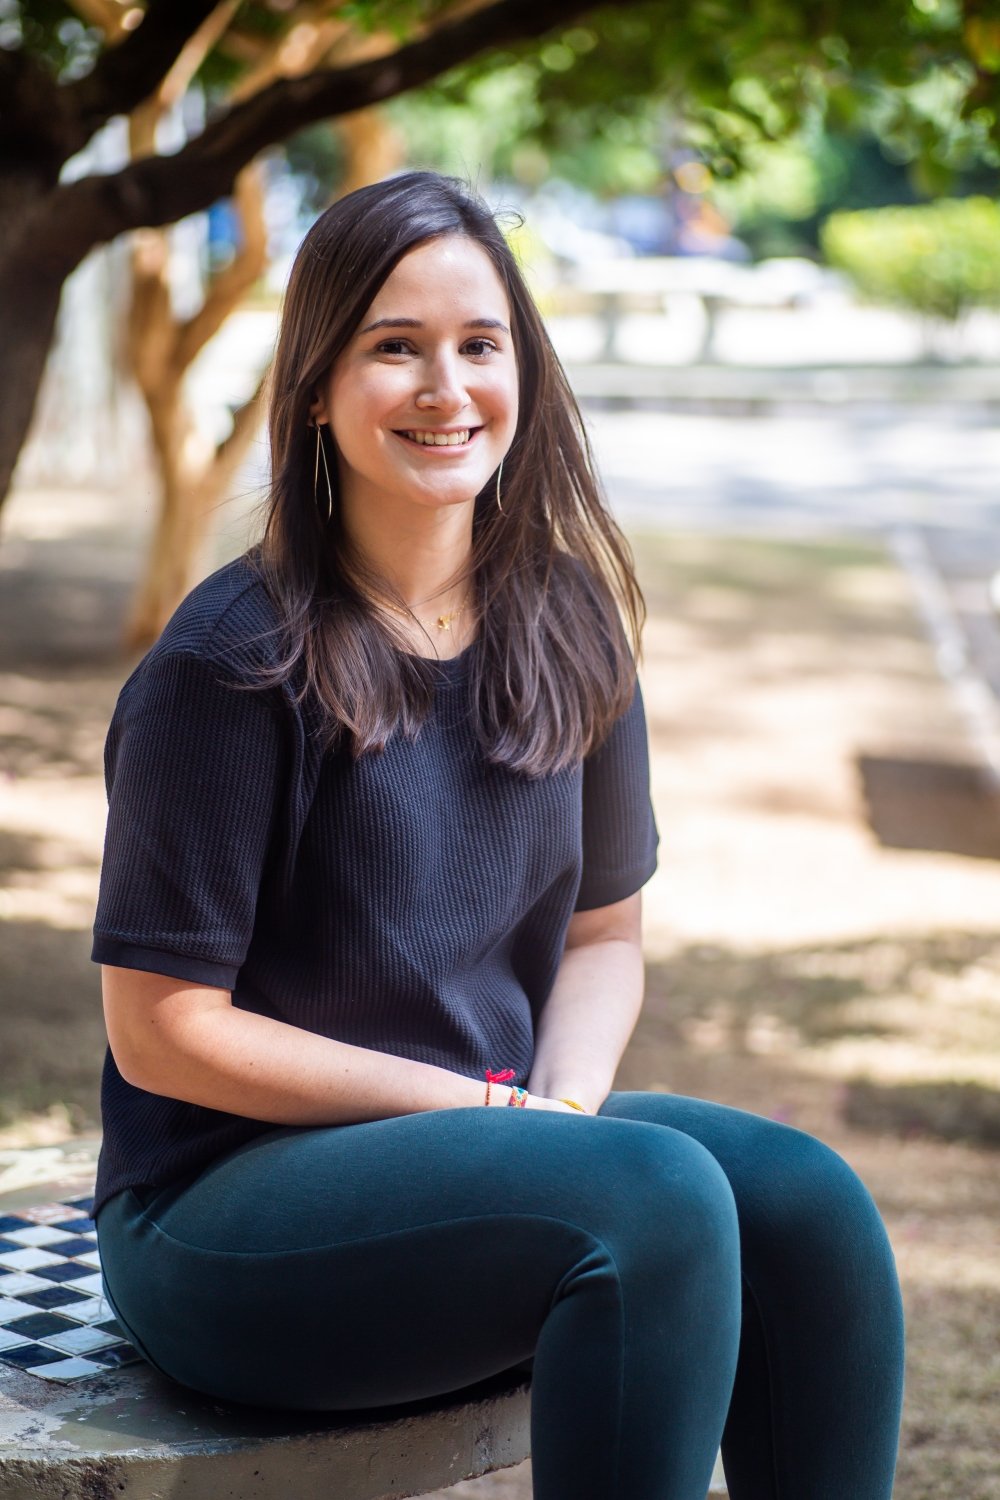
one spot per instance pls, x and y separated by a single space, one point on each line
577 1095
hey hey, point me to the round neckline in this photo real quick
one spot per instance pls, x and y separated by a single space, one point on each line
451 668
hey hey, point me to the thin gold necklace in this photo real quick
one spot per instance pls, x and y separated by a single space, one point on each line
443 622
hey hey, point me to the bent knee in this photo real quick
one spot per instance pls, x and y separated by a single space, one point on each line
667 1181
808 1190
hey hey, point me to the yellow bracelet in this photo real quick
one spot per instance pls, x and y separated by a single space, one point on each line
573 1105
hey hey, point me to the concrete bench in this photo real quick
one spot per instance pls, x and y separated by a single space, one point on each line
133 1435
613 288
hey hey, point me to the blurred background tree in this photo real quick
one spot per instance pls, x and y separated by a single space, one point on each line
940 260
271 66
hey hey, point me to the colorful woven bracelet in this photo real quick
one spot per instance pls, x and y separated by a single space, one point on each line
518 1097
504 1076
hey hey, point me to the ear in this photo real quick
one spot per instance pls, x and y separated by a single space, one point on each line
318 412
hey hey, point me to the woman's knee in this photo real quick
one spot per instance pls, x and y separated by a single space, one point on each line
669 1192
812 1197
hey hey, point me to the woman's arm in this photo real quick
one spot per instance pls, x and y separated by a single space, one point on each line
588 1018
188 1041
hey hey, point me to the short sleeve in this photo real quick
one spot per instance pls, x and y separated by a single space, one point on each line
193 767
620 836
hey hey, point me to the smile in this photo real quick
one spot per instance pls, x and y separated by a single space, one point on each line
422 438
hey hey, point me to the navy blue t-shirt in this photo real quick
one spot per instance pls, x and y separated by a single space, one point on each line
413 901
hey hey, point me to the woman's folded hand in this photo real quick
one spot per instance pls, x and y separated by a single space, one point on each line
539 1101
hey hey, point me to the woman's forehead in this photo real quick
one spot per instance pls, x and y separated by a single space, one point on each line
450 276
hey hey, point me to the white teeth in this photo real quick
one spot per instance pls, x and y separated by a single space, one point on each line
440 439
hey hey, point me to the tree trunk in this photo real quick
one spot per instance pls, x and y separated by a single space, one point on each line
193 475
36 256
187 499
180 522
29 305
373 149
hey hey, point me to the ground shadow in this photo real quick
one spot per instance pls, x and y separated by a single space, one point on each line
764 1019
52 1023
949 807
64 608
951 1111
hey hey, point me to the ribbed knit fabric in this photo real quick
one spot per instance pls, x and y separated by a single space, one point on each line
413 902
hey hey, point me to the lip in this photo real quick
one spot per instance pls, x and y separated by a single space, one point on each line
440 450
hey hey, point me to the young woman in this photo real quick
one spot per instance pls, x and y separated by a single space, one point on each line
379 820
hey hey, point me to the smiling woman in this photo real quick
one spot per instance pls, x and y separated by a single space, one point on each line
422 407
371 943
407 326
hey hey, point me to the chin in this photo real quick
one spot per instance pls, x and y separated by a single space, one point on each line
444 502
447 496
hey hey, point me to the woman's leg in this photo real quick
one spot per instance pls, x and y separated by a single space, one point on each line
375 1263
816 1403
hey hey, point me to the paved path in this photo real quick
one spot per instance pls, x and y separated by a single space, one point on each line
805 473
923 480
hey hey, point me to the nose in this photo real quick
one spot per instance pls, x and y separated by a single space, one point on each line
442 385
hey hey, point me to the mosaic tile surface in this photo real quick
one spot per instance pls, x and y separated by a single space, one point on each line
54 1319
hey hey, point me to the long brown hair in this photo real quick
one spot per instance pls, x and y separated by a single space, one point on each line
552 667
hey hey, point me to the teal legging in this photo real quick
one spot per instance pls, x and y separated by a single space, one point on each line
681 1273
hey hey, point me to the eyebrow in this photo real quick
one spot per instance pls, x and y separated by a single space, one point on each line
415 323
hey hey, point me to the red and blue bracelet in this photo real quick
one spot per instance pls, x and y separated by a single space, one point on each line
518 1096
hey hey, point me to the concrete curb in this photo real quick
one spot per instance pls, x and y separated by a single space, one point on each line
748 388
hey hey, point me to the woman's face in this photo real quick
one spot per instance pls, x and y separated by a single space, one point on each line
422 404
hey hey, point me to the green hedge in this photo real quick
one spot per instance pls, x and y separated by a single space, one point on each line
938 259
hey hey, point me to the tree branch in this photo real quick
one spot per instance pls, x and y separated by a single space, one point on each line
150 327
37 133
106 16
160 190
233 449
125 75
229 286
305 46
194 52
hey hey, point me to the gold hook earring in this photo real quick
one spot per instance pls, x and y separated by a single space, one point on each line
499 506
321 449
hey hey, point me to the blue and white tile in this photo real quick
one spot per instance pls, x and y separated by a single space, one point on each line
67 1369
38 1234
12 1283
81 1340
92 1283
94 1310
116 1356
27 1260
11 1307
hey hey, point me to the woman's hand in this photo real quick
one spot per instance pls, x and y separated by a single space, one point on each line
539 1101
500 1096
